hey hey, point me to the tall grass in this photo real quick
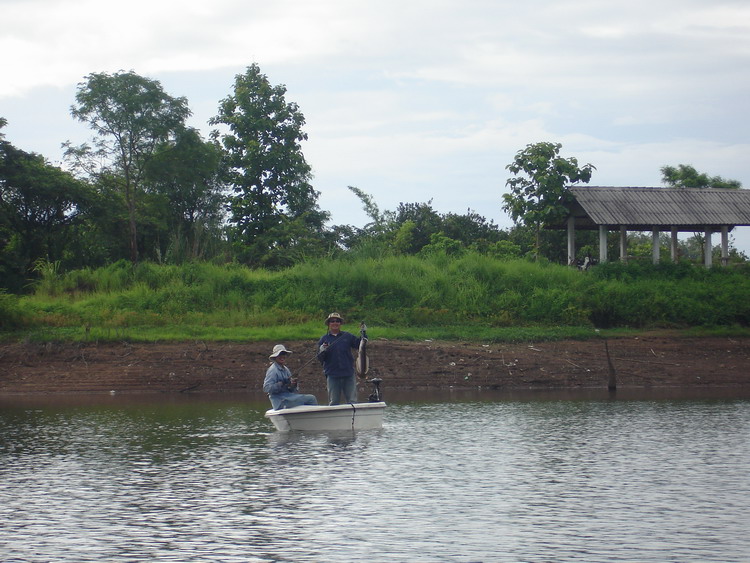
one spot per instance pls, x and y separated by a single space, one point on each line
438 294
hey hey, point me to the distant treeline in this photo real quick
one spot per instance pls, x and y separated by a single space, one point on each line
149 188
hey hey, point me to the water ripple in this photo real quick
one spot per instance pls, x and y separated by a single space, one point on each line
474 481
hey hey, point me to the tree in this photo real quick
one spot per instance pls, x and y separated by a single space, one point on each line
375 238
413 225
380 221
130 116
420 221
538 190
685 176
266 170
184 176
472 230
39 206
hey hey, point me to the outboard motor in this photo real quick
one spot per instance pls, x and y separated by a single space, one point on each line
375 396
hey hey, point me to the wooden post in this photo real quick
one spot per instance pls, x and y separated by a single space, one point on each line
612 379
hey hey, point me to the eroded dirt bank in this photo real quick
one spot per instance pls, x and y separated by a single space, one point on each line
652 361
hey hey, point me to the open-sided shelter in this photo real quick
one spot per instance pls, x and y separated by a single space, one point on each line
657 210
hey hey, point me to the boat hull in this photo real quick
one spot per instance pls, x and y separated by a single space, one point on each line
351 416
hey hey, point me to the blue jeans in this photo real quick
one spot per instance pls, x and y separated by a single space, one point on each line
287 400
342 385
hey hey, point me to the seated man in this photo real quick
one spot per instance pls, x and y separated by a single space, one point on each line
280 385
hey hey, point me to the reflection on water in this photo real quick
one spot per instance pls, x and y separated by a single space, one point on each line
523 477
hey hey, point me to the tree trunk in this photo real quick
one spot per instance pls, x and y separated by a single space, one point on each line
130 199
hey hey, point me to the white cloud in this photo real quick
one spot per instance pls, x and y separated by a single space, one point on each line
61 41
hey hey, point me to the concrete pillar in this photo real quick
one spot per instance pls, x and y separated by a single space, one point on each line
623 243
655 251
602 243
724 245
708 259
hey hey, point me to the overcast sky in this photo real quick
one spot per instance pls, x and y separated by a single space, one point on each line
415 100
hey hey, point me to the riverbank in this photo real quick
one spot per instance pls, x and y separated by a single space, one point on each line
221 367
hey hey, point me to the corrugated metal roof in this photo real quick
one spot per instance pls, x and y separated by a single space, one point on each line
646 208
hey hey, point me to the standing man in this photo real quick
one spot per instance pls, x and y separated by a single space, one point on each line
335 353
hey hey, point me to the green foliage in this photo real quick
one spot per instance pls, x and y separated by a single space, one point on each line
423 222
274 208
155 189
538 189
641 294
504 250
48 273
404 239
380 220
186 197
411 228
685 176
441 244
131 116
471 229
12 316
41 209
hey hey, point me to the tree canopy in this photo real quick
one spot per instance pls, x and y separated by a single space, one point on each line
538 188
274 207
130 116
685 176
183 178
39 206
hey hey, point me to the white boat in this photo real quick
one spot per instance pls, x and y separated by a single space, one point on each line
316 418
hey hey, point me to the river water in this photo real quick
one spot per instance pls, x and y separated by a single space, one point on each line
526 477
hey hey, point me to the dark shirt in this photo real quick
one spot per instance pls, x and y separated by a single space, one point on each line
337 360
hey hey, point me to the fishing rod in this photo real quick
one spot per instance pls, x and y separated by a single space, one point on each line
315 356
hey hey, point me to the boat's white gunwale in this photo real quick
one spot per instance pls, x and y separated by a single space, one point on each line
308 409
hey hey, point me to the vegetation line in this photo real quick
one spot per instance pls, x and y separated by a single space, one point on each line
472 297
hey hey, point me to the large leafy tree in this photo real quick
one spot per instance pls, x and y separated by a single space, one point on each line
538 188
686 176
131 116
274 207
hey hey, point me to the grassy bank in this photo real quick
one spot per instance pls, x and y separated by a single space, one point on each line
470 297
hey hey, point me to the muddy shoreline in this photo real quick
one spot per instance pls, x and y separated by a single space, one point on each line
216 367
